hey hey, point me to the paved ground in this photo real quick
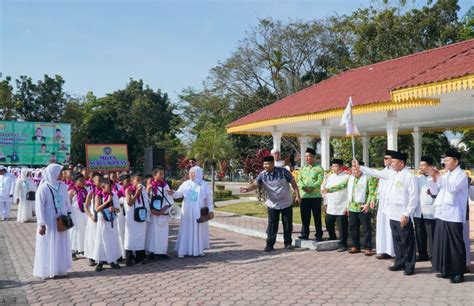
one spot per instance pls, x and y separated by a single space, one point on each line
234 271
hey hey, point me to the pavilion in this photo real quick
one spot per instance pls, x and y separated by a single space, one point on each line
426 91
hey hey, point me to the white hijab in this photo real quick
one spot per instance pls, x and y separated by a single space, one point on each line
51 174
24 174
199 174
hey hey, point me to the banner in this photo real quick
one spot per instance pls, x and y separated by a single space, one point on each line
107 157
34 143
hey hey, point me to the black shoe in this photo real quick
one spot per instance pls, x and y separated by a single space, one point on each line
342 249
142 262
457 279
120 259
302 237
409 272
395 268
92 263
439 275
151 257
319 239
99 268
383 256
114 265
289 247
162 257
74 257
129 263
268 249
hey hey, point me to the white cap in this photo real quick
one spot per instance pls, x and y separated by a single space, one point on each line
2 167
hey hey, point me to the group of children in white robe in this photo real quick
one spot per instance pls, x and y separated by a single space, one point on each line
124 220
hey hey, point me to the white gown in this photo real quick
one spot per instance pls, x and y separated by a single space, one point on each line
135 232
157 231
107 246
121 226
193 237
53 250
89 240
25 207
383 233
77 234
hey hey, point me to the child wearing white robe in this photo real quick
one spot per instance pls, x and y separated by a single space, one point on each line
53 248
91 226
135 231
120 191
78 195
107 246
22 187
193 237
157 231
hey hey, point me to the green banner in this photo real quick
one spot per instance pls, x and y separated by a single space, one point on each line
34 143
107 157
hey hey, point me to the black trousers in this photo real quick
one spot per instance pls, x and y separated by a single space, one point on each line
449 251
424 229
274 220
404 244
313 205
342 224
356 219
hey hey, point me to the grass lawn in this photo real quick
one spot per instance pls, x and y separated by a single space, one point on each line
232 197
255 209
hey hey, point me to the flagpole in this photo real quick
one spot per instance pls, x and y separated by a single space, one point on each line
353 148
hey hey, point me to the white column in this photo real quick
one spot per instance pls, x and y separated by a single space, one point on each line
365 148
417 137
304 142
325 138
277 140
392 130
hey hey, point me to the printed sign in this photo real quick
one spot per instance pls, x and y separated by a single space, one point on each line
107 157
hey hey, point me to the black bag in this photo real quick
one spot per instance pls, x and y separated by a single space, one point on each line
205 215
140 213
63 222
31 196
158 200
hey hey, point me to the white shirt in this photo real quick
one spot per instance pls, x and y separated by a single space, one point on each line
336 201
451 191
401 191
7 187
426 201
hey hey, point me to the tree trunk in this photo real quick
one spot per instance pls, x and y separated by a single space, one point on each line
213 180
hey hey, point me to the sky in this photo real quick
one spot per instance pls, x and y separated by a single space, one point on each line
98 45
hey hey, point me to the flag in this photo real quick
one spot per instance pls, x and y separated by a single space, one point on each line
348 121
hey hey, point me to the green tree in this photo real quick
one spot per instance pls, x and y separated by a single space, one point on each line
44 101
211 147
7 101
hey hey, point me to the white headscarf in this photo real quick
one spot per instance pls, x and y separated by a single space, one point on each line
199 174
24 174
51 174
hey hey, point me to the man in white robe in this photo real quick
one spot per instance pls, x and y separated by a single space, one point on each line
451 190
53 248
383 233
401 207
7 185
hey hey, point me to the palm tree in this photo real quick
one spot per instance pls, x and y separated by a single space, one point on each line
211 147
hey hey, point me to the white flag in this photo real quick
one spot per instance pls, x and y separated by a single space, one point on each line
347 120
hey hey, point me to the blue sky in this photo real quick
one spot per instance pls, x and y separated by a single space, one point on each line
98 45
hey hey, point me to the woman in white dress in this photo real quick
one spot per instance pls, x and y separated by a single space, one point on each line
53 248
22 187
107 245
120 191
157 230
78 196
193 237
137 213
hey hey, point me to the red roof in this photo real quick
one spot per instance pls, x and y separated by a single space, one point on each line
372 83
